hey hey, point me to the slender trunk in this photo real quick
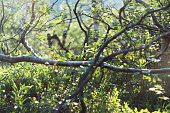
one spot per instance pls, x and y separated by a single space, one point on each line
164 64
95 21
164 56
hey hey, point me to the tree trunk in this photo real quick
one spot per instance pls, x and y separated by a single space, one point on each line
164 63
95 21
164 56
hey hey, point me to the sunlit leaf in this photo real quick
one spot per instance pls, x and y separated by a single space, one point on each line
152 89
159 92
47 63
164 98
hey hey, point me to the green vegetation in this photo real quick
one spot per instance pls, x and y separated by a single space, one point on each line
116 60
34 88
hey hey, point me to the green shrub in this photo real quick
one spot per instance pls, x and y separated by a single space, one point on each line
27 87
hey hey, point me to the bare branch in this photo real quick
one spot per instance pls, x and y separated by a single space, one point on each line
33 59
78 20
24 32
125 29
49 38
68 27
122 10
156 22
134 49
52 5
134 70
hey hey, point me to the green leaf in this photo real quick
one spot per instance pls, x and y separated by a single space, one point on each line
83 1
164 98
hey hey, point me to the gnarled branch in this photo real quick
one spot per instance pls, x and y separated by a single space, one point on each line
49 38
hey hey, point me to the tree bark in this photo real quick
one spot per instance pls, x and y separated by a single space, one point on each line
164 56
95 21
164 63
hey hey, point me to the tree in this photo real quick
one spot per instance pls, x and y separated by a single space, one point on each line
128 40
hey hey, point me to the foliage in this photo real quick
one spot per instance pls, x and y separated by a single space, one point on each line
35 88
29 87
128 37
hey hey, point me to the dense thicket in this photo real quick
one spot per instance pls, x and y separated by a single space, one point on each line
84 56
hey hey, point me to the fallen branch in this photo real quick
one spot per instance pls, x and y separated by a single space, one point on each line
33 59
